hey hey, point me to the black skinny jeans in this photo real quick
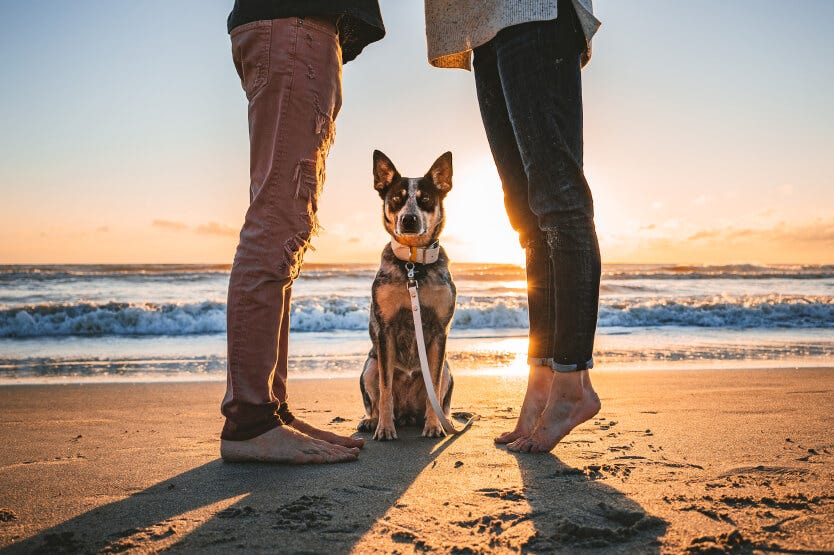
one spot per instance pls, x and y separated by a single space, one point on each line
530 94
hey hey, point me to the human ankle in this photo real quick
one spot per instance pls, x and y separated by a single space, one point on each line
567 387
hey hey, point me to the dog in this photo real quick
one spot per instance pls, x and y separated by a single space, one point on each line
391 383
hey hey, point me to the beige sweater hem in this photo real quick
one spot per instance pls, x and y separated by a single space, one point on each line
453 31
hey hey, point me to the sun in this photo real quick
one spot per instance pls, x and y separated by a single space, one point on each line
477 228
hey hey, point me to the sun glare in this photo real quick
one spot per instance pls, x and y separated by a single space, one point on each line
477 228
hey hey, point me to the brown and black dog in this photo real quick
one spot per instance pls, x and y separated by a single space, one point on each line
392 385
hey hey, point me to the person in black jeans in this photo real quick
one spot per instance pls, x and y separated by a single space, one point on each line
530 94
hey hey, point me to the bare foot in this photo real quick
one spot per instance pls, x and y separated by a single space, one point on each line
329 437
572 401
285 445
538 390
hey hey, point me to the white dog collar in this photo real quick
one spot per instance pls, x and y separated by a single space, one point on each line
420 255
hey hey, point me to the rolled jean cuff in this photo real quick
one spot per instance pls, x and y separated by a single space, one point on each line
587 365
533 361
236 432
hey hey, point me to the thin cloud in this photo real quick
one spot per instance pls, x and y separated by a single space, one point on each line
170 225
704 234
216 228
820 231
209 228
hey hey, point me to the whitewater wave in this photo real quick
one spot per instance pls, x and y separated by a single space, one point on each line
312 314
89 319
753 311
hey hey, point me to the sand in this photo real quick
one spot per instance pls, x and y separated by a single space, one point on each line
694 461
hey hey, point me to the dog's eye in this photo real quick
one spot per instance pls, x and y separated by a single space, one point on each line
395 199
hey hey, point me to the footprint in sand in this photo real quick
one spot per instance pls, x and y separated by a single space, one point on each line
615 526
493 524
510 494
306 512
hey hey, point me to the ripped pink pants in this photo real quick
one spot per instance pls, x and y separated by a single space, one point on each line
291 71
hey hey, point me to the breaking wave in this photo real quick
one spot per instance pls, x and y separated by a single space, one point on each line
315 314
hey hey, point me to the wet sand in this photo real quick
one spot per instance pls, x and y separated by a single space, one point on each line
693 461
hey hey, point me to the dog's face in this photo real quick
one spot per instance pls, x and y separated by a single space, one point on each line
412 207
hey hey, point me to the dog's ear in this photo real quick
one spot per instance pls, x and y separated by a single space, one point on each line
384 172
441 173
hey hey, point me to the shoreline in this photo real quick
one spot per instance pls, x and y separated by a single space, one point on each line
675 461
297 375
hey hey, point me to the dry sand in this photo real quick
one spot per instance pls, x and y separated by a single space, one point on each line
683 461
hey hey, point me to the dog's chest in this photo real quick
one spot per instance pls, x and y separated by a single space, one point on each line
435 301
394 319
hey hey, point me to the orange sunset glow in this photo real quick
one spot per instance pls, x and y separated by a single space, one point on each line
165 389
689 161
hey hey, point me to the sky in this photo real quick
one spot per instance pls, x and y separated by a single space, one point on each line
709 135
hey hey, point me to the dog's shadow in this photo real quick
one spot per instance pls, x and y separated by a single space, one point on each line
254 507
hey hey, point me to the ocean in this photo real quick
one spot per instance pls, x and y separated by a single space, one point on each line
167 322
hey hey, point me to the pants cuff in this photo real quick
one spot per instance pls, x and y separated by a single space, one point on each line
587 365
237 432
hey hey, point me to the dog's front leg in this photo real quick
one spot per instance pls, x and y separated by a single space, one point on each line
369 387
385 429
436 354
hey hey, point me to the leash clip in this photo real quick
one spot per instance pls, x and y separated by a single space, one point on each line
409 267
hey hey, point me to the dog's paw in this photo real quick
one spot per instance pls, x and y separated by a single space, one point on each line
433 429
385 433
367 424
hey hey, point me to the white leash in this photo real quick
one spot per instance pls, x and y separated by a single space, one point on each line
448 426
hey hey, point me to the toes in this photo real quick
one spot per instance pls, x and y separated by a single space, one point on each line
337 453
385 434
308 457
352 451
521 445
538 445
508 437
434 432
316 456
358 443
337 457
347 455
344 441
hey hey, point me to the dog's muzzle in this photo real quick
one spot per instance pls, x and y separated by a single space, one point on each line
409 223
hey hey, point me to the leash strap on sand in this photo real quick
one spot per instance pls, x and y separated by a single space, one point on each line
448 426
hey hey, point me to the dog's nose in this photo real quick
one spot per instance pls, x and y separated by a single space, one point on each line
410 223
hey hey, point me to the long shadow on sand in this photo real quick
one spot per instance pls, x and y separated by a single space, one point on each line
253 507
571 510
219 507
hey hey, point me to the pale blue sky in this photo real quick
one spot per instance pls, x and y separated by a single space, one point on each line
709 134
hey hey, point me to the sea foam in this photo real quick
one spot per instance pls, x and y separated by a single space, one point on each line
333 313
